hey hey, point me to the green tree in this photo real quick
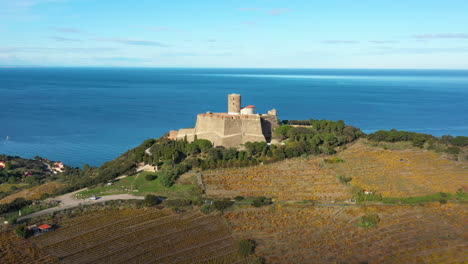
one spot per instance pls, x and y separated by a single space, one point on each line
151 200
368 221
222 205
203 144
282 131
22 231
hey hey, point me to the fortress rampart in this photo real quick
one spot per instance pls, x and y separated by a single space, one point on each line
233 128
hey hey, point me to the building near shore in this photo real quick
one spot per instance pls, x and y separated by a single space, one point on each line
232 129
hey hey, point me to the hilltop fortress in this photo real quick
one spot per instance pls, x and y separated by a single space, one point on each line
237 126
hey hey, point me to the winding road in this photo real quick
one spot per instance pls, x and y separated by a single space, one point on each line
69 201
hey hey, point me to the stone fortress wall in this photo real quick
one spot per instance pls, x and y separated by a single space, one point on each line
233 128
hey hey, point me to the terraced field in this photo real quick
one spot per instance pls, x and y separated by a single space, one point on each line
295 179
401 173
393 173
406 234
141 236
14 250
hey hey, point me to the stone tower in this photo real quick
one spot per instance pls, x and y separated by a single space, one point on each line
234 104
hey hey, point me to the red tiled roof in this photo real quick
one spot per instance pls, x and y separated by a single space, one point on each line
250 106
44 226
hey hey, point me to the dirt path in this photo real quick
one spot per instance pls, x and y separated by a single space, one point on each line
69 201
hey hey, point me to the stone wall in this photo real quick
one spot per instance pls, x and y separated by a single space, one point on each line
227 130
269 124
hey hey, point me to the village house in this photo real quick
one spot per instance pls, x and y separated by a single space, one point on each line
2 164
58 167
45 228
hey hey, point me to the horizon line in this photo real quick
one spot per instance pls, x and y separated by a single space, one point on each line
258 68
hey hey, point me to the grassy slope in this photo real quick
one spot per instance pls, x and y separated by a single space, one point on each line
400 173
33 193
138 185
6 187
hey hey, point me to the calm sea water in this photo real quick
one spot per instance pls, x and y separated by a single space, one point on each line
92 115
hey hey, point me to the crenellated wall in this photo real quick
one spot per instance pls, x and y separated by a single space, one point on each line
231 129
226 130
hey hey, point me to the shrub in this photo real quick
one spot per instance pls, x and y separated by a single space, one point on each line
206 209
239 198
343 179
443 200
246 247
460 141
151 200
177 203
222 205
453 150
151 177
333 160
22 231
368 221
260 201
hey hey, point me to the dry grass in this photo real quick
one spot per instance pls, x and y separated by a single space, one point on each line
393 173
141 236
14 250
298 234
294 179
33 193
401 173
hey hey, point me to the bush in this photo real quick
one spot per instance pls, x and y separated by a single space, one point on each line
239 198
443 200
246 247
460 141
260 201
222 205
453 150
369 221
177 203
206 209
22 231
151 177
343 179
151 200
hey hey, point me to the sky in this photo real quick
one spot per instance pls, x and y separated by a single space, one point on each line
387 34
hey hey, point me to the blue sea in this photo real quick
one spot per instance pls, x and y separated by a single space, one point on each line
92 115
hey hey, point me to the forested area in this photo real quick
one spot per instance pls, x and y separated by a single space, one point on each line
449 144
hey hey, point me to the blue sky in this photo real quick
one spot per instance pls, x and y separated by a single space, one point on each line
243 33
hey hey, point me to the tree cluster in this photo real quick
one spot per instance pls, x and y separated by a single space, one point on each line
15 205
322 137
420 140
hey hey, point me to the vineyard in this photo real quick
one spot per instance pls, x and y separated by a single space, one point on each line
299 234
400 173
14 250
293 179
141 236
